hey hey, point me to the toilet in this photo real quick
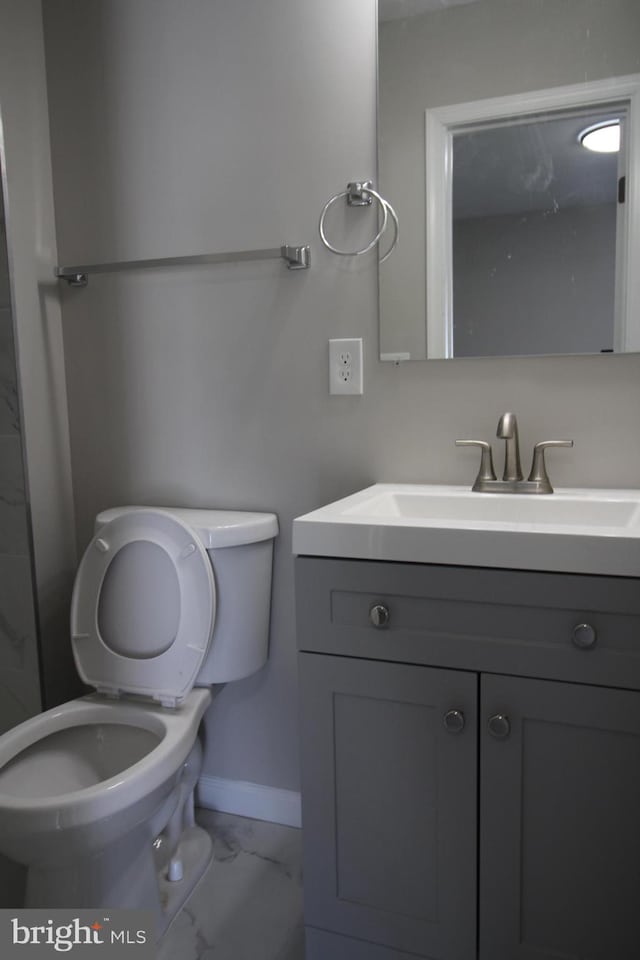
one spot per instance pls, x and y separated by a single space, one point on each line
97 795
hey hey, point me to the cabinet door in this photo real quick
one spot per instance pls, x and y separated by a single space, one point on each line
389 804
560 821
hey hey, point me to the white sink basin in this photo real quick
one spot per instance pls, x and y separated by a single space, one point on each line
582 531
452 505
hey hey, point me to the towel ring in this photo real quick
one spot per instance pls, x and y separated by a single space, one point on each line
365 188
396 231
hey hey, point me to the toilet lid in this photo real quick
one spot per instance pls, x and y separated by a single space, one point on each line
143 607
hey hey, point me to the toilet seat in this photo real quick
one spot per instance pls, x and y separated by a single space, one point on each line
143 607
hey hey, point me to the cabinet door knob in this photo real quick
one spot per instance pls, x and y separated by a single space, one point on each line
499 726
379 615
454 721
584 636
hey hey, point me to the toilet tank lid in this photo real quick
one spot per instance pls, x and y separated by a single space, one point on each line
214 528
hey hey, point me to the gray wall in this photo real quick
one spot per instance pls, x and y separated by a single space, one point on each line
534 283
486 49
213 126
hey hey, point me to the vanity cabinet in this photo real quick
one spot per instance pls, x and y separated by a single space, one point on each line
390 803
471 762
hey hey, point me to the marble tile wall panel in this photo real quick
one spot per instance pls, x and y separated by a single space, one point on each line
19 676
19 663
9 415
13 512
4 262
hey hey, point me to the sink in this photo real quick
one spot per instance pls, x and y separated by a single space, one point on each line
432 503
572 530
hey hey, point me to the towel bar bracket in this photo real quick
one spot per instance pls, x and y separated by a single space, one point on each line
75 280
298 258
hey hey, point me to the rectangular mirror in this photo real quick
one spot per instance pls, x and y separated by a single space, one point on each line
514 238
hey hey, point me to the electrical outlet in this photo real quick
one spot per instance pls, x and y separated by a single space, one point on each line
345 366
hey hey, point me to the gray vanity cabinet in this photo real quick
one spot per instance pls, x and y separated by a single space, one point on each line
560 821
471 763
390 804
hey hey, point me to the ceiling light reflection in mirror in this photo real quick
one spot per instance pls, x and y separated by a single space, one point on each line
603 137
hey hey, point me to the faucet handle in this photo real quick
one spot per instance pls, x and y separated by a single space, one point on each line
486 471
539 473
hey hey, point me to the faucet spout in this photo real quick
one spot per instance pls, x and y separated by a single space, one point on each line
512 480
508 431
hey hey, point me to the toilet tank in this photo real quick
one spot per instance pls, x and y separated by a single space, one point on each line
240 548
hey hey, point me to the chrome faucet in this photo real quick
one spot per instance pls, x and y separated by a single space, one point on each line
512 480
508 431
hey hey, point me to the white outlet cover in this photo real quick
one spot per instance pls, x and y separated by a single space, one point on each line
345 366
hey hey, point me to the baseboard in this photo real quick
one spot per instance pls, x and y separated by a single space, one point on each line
250 800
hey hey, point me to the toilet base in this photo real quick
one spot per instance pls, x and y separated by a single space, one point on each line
122 876
132 883
195 852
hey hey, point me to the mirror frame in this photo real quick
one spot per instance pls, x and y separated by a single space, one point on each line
443 122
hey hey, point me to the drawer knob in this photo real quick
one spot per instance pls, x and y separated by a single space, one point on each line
379 615
454 721
584 636
499 726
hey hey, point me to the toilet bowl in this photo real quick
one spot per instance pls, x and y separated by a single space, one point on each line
96 795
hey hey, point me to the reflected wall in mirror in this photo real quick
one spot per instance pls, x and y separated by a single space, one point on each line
534 219
500 86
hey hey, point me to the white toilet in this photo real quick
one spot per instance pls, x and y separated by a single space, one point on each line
96 795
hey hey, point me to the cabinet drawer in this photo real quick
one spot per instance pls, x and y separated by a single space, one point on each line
501 621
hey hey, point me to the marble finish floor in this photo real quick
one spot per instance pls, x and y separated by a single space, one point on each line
248 906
